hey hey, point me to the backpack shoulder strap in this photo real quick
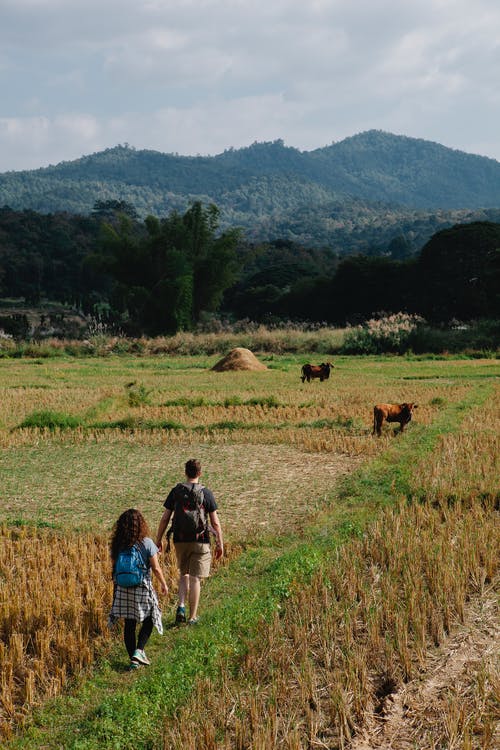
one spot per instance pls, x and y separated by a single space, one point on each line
143 553
180 490
197 487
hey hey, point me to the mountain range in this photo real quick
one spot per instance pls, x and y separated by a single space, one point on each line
360 193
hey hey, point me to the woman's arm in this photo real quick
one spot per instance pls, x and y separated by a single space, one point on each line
156 568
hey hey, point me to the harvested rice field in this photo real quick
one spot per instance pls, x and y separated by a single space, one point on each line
290 464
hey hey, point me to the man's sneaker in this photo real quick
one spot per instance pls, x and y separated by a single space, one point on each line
193 621
180 615
133 666
140 657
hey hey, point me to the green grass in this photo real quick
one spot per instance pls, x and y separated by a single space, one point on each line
50 420
56 420
191 403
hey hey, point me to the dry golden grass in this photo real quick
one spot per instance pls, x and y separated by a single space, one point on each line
96 391
455 702
257 338
347 642
55 593
466 463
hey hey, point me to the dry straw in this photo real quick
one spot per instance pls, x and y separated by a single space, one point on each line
239 359
55 594
347 642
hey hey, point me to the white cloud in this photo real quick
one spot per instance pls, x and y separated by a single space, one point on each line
203 75
29 142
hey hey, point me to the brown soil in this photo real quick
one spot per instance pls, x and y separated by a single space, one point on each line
239 359
448 705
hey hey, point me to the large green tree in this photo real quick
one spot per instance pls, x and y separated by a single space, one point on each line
459 272
168 274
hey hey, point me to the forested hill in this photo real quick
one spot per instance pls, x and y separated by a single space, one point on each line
274 190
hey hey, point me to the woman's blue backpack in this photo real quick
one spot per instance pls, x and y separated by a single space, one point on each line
130 567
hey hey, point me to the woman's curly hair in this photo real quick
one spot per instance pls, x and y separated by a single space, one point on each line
130 528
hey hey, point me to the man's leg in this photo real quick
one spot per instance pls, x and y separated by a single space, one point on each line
183 588
180 615
194 596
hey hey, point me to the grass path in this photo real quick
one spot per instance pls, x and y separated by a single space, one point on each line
113 709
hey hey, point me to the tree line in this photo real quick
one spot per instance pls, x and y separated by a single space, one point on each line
161 275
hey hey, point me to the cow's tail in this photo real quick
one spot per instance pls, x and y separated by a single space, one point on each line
303 377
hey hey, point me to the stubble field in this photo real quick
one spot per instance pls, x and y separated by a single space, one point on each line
100 445
81 440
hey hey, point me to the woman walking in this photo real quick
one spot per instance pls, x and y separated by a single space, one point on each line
132 548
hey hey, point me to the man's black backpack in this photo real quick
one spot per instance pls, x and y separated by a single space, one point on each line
190 521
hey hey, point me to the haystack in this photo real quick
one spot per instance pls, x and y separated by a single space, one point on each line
239 359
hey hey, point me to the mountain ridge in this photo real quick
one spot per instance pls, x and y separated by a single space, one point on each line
268 186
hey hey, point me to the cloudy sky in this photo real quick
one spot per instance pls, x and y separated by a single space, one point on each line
201 76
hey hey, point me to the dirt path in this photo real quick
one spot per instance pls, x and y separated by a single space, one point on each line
455 702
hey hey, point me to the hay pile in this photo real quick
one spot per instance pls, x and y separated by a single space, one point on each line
239 359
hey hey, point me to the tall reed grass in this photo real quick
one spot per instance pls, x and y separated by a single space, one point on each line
398 333
290 338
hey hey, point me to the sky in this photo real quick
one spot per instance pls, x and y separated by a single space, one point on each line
202 76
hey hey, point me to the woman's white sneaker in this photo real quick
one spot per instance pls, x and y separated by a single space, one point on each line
140 657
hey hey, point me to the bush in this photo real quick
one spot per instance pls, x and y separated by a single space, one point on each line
387 334
138 394
478 338
402 333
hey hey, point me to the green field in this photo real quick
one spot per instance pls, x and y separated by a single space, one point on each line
294 467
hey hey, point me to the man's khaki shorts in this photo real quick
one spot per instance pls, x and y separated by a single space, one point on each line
193 558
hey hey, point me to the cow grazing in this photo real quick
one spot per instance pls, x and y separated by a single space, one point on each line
391 413
321 371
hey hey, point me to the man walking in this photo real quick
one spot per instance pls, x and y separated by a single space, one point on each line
194 517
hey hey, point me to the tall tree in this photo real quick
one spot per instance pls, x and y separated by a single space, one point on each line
179 267
459 270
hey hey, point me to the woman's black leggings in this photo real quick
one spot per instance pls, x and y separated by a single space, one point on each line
142 638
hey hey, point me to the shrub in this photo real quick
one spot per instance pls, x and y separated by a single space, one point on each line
138 394
477 338
387 334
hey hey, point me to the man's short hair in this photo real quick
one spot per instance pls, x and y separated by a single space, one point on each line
193 468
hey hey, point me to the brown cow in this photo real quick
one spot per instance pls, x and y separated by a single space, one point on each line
321 371
391 413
